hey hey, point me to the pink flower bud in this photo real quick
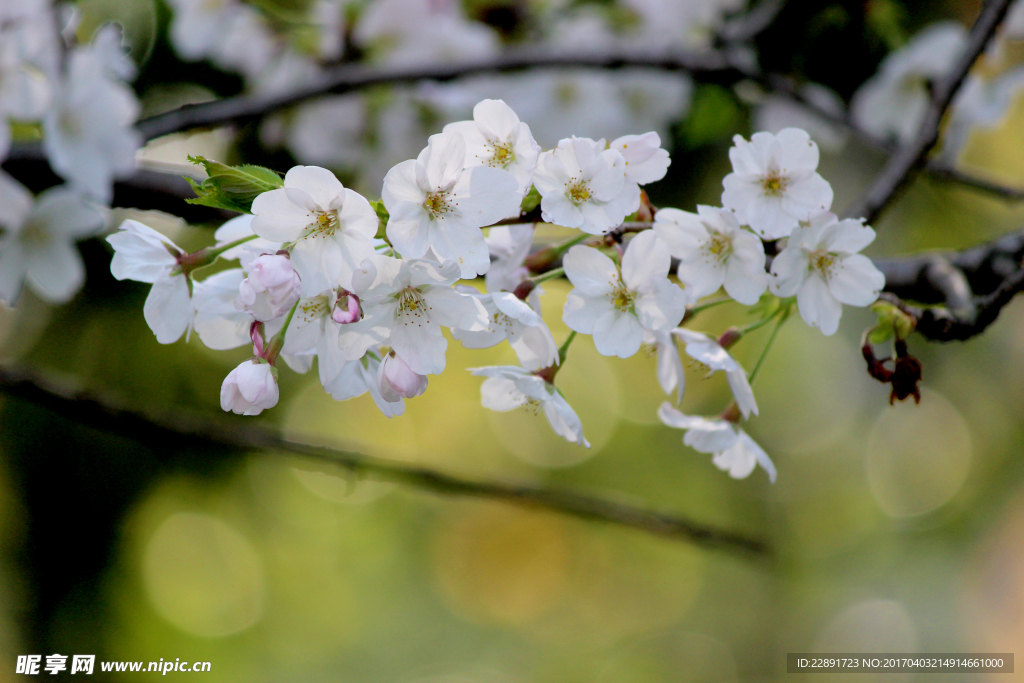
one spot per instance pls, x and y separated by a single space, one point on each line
271 288
347 310
250 388
258 336
396 380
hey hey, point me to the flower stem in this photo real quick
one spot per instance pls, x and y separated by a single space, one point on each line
550 275
563 350
771 340
277 341
692 311
207 255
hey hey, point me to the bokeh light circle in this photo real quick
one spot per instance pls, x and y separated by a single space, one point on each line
203 576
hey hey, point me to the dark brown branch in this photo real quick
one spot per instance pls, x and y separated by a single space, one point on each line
950 174
711 66
902 165
183 428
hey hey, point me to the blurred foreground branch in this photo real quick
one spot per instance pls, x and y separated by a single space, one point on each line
901 166
183 428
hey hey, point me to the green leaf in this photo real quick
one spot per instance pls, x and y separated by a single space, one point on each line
382 217
880 335
233 187
531 201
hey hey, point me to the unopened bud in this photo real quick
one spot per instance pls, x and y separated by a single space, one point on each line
542 261
523 289
729 337
347 310
259 339
732 413
396 380
250 388
271 288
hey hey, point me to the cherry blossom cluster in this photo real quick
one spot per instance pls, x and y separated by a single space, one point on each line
368 288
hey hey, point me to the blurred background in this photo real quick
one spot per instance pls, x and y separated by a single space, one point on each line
896 529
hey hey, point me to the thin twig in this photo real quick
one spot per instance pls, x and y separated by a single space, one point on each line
901 166
182 429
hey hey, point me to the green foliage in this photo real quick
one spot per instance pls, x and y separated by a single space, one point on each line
531 201
715 115
891 322
382 217
232 187
885 19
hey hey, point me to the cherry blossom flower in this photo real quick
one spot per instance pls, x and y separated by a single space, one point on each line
670 366
616 309
583 185
821 266
332 227
231 34
497 138
237 229
87 133
774 184
714 250
734 451
646 161
37 244
359 377
314 330
271 287
396 380
144 255
708 352
25 89
436 203
218 322
405 302
515 320
508 387
412 32
509 245
250 388
893 102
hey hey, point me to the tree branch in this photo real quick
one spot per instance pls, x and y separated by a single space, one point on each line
712 66
901 166
183 428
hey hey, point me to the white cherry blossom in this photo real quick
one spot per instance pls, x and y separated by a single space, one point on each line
218 322
25 88
405 303
774 184
713 250
144 255
497 138
515 320
509 245
37 241
332 227
436 203
583 185
239 228
508 387
646 161
87 133
616 308
314 330
358 377
734 451
271 287
893 102
250 388
821 266
708 352
670 367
